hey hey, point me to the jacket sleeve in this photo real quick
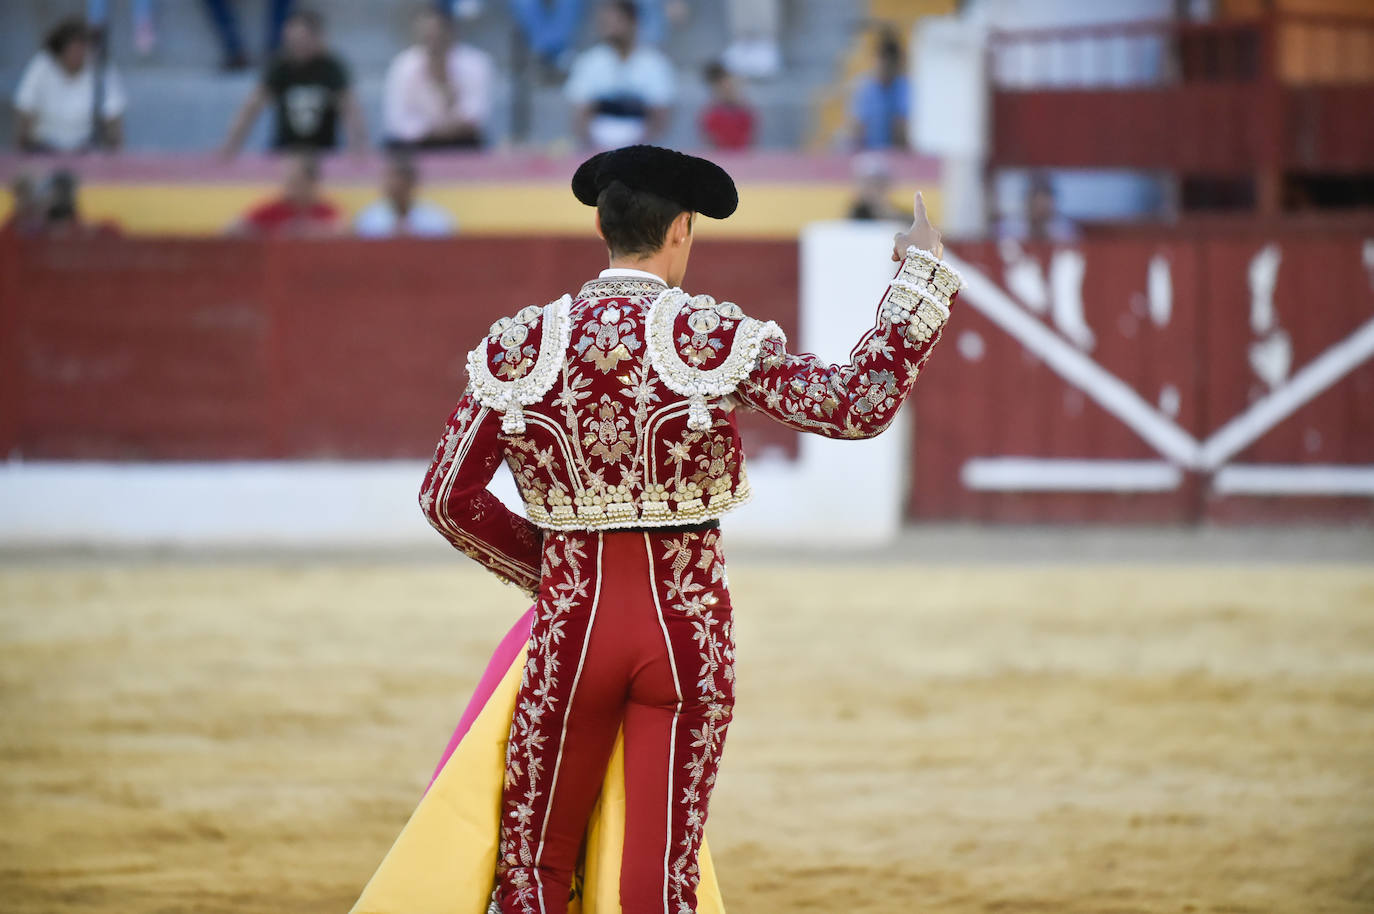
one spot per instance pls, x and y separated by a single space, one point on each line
859 399
456 502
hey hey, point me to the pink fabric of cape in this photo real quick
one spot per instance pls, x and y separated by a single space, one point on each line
500 662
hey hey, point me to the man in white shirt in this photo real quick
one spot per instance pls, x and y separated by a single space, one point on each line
398 213
438 91
621 90
56 98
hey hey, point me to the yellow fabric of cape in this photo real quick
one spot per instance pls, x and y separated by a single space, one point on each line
444 860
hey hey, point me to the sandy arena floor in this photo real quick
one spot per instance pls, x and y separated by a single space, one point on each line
250 737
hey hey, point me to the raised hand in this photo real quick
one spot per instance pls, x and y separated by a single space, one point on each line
921 234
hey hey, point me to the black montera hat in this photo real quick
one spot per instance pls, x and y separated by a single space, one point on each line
694 184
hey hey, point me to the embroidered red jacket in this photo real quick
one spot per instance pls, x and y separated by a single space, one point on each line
614 409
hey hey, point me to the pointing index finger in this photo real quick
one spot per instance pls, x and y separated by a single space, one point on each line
919 208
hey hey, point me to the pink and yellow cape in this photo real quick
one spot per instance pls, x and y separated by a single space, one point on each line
444 861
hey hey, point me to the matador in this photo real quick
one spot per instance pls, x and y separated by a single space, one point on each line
614 408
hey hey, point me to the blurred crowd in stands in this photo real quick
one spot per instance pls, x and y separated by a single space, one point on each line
566 77
437 96
438 91
300 209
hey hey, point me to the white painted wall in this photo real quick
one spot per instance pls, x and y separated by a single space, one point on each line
950 117
238 504
849 493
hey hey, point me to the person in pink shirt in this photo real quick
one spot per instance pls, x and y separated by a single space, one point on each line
438 90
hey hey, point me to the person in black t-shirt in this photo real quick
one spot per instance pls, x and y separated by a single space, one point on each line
308 87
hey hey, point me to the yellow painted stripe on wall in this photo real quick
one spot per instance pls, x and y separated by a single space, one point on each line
766 210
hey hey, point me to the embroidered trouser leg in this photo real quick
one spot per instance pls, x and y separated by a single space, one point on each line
630 628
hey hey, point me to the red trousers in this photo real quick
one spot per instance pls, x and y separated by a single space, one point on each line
630 629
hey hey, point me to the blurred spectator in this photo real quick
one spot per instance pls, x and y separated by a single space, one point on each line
28 215
873 189
460 9
398 213
656 17
753 50
882 102
62 216
145 27
438 91
51 210
299 212
56 98
620 88
549 26
308 87
726 122
1042 220
231 38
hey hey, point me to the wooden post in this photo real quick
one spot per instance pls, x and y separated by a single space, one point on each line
1269 157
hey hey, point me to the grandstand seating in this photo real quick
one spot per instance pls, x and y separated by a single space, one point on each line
181 102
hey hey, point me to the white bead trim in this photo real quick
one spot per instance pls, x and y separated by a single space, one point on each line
918 298
507 397
698 384
645 514
945 277
923 292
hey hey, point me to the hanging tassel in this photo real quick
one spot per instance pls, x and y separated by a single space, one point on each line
698 413
513 422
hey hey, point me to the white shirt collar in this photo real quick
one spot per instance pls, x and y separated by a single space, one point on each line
627 273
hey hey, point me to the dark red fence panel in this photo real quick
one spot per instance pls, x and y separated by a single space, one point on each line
1211 377
1212 128
1265 346
136 350
1278 93
157 349
11 374
371 337
1329 128
1155 377
988 396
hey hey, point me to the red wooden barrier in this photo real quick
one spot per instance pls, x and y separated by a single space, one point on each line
214 349
136 351
1282 93
1254 352
1167 378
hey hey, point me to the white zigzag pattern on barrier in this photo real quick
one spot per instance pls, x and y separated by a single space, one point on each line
1123 402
